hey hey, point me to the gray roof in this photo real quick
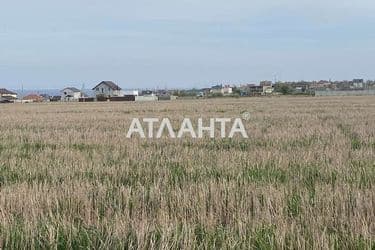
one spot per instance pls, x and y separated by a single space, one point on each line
110 84
6 92
217 86
75 90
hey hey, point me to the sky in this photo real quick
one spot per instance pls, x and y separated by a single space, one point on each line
183 43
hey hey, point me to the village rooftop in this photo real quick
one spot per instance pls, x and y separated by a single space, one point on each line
110 91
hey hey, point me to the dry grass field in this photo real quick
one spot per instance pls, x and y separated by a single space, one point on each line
305 179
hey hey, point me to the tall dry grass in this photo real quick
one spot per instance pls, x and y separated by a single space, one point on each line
305 179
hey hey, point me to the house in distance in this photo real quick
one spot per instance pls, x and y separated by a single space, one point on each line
71 94
32 98
7 95
222 90
107 89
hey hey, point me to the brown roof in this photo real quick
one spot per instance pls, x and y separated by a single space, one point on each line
110 84
33 97
6 92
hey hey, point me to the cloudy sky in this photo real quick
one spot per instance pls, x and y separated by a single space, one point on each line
183 43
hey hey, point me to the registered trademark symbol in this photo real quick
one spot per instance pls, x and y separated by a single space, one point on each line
246 116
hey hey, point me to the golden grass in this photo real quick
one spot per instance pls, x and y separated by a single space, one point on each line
69 177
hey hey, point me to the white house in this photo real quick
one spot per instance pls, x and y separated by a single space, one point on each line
4 93
107 89
217 89
227 90
71 94
267 90
223 90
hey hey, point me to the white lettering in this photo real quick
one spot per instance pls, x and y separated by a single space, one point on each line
238 127
186 127
136 127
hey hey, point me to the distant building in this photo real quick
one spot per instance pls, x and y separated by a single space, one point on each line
7 94
107 89
163 92
322 85
46 97
204 92
267 90
255 90
147 93
217 89
300 87
265 83
32 98
222 90
130 92
227 90
71 94
358 83
55 98
250 90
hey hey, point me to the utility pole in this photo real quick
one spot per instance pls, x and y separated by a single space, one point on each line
82 93
275 78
